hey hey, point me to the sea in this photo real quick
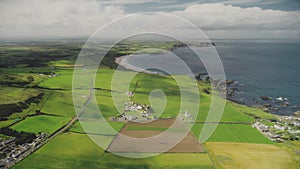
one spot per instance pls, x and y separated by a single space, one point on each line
258 67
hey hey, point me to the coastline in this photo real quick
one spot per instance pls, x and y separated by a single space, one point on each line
122 61
266 105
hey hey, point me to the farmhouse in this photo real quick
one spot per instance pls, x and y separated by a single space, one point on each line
136 112
278 127
273 135
261 127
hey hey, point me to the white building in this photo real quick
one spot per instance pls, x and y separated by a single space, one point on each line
278 127
186 114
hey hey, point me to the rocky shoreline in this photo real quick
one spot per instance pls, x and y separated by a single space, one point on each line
234 93
275 105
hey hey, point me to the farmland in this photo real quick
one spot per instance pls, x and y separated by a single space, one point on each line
96 127
241 155
234 133
75 147
72 150
42 123
59 103
14 95
159 138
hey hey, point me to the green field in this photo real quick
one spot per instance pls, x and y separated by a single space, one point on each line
76 150
146 83
15 94
42 123
72 150
62 81
234 144
233 133
59 103
96 127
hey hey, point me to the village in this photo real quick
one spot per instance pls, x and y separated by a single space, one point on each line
11 152
135 112
285 128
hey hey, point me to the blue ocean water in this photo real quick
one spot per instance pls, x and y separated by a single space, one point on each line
268 68
265 68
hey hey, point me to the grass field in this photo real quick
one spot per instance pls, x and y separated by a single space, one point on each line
42 123
69 150
59 103
250 156
231 146
14 94
145 84
96 127
63 81
72 150
233 133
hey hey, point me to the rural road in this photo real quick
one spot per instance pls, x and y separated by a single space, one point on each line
56 133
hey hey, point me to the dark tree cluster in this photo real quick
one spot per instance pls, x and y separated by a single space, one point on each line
21 137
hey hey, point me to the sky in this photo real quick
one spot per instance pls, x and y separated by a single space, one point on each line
227 19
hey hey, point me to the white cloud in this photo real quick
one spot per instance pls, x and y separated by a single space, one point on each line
58 17
129 1
80 17
221 17
239 2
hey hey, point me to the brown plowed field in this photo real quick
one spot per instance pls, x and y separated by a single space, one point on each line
130 140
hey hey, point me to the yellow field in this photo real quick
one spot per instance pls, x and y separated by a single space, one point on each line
248 156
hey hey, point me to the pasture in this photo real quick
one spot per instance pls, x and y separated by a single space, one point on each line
62 81
233 133
41 123
75 149
143 84
59 103
96 127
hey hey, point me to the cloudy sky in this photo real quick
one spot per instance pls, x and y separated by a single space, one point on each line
258 19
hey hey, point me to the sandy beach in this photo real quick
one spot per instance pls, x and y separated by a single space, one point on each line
123 62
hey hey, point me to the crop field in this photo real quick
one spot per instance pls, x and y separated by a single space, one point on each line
72 150
252 156
233 133
121 143
162 161
41 123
